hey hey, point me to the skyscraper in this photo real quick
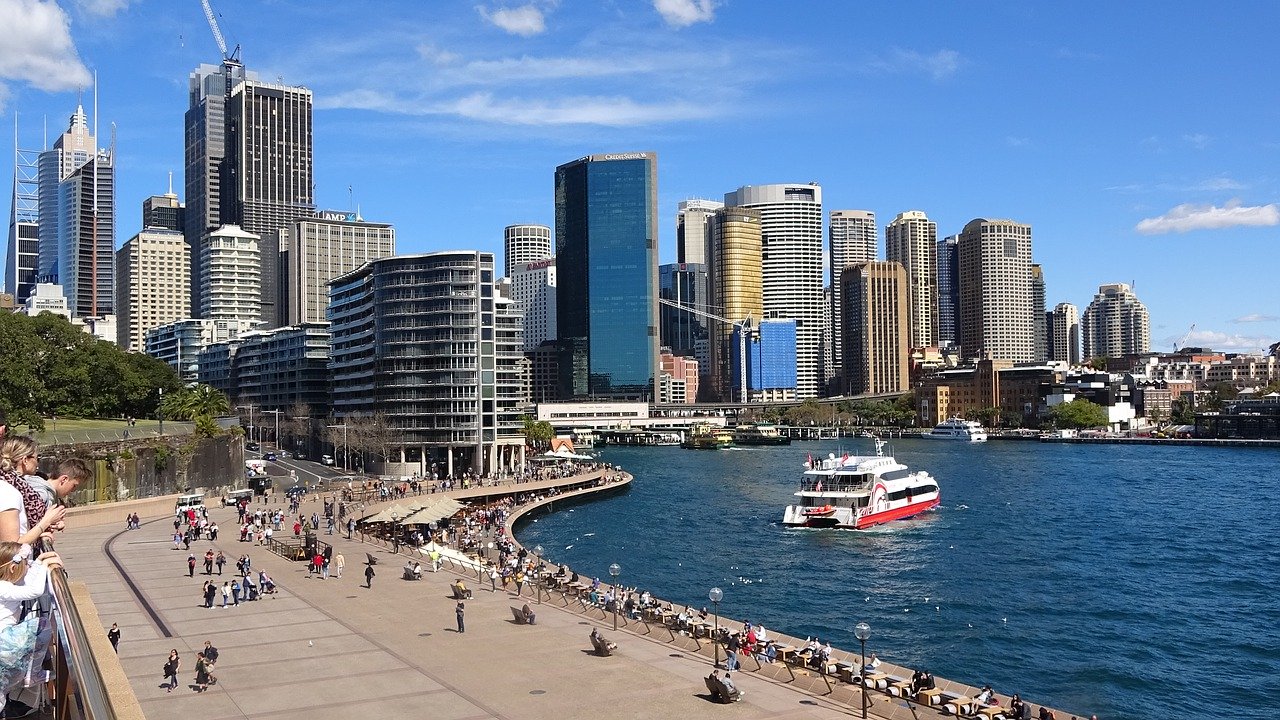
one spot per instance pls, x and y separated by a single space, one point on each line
693 230
153 285
22 258
876 344
1116 323
1038 315
735 281
912 240
533 288
948 289
1064 324
164 212
995 312
524 244
607 308
314 251
230 276
687 334
851 239
791 250
70 151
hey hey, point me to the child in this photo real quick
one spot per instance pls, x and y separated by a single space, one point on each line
21 583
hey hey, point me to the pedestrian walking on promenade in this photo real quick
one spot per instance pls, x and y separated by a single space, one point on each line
226 594
461 610
339 562
171 667
222 560
208 562
191 565
493 579
202 672
235 591
114 636
368 576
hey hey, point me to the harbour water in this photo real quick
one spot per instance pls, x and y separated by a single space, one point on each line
1127 581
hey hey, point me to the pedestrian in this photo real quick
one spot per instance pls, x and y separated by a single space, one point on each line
114 636
213 531
235 592
171 667
324 568
202 673
368 576
460 612
226 594
519 582
208 562
191 565
211 659
493 579
339 562
222 560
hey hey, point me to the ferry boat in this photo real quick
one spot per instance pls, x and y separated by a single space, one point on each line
859 492
707 437
957 429
759 435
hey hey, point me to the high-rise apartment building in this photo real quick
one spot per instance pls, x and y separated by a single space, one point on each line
524 244
693 230
791 251
877 311
851 239
735 282
912 241
607 307
1064 334
230 276
948 261
533 288
1116 323
153 285
1038 315
995 312
439 359
314 251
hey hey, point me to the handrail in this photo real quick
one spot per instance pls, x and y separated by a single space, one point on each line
76 668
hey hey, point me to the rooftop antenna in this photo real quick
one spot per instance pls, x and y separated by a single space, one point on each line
170 182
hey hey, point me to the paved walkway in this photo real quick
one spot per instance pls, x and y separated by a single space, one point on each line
333 649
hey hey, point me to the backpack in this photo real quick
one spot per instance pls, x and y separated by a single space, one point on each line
20 644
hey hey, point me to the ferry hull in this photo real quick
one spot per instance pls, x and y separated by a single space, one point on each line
795 517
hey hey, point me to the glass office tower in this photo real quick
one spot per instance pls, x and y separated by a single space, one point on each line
607 258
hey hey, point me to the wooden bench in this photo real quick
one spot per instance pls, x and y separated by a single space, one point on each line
460 594
520 617
720 691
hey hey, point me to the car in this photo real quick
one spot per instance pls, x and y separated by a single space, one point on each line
296 490
252 446
299 456
326 459
270 456
284 454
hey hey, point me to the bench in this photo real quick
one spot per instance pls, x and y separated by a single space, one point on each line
409 574
720 691
603 647
521 618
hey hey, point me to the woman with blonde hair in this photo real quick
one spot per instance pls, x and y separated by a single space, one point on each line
24 515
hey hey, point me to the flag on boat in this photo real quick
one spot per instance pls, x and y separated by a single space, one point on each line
844 459
809 462
818 487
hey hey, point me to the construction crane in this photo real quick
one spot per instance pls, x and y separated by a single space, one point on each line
217 34
1182 341
744 329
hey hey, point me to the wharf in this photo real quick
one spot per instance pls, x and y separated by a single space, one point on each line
1197 442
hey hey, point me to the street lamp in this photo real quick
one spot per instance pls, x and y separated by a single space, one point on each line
715 596
250 407
277 413
615 570
862 631
537 569
344 445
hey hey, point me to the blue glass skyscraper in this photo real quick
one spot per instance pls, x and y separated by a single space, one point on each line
607 261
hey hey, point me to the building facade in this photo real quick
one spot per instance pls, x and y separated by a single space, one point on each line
735 292
948 261
1038 316
607 287
1115 323
679 381
164 212
852 238
231 276
71 151
524 244
314 251
685 333
182 343
693 230
22 256
791 252
770 367
283 369
533 288
153 285
423 342
877 308
995 312
911 240
1064 334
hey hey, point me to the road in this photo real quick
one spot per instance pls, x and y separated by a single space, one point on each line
302 470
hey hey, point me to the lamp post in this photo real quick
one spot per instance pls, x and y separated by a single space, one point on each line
250 407
537 569
159 414
715 596
862 631
344 444
277 413
615 570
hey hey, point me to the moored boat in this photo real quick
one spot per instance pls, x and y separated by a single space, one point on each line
957 429
859 492
759 435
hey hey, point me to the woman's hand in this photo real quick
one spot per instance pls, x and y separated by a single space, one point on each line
50 559
52 519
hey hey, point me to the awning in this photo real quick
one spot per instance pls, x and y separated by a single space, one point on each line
433 512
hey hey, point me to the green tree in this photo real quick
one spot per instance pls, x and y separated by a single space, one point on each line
537 433
196 401
1078 413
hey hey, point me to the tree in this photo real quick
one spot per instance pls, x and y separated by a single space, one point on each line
537 433
194 402
1079 413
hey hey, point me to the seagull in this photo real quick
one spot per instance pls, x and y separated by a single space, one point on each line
1004 620
906 609
311 643
937 608
926 599
866 599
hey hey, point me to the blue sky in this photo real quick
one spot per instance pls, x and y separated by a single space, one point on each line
1139 140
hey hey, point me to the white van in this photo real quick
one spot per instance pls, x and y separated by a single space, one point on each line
233 497
193 501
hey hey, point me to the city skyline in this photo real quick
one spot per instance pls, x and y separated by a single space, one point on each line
1070 131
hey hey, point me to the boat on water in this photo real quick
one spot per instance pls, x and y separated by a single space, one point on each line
859 492
759 435
708 437
957 429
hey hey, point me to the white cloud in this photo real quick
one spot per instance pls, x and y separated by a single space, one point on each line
1256 317
36 47
435 55
106 8
683 13
1199 141
485 107
1218 184
525 21
939 65
1225 342
1188 217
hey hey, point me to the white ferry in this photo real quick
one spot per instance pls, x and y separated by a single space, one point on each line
855 493
957 429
